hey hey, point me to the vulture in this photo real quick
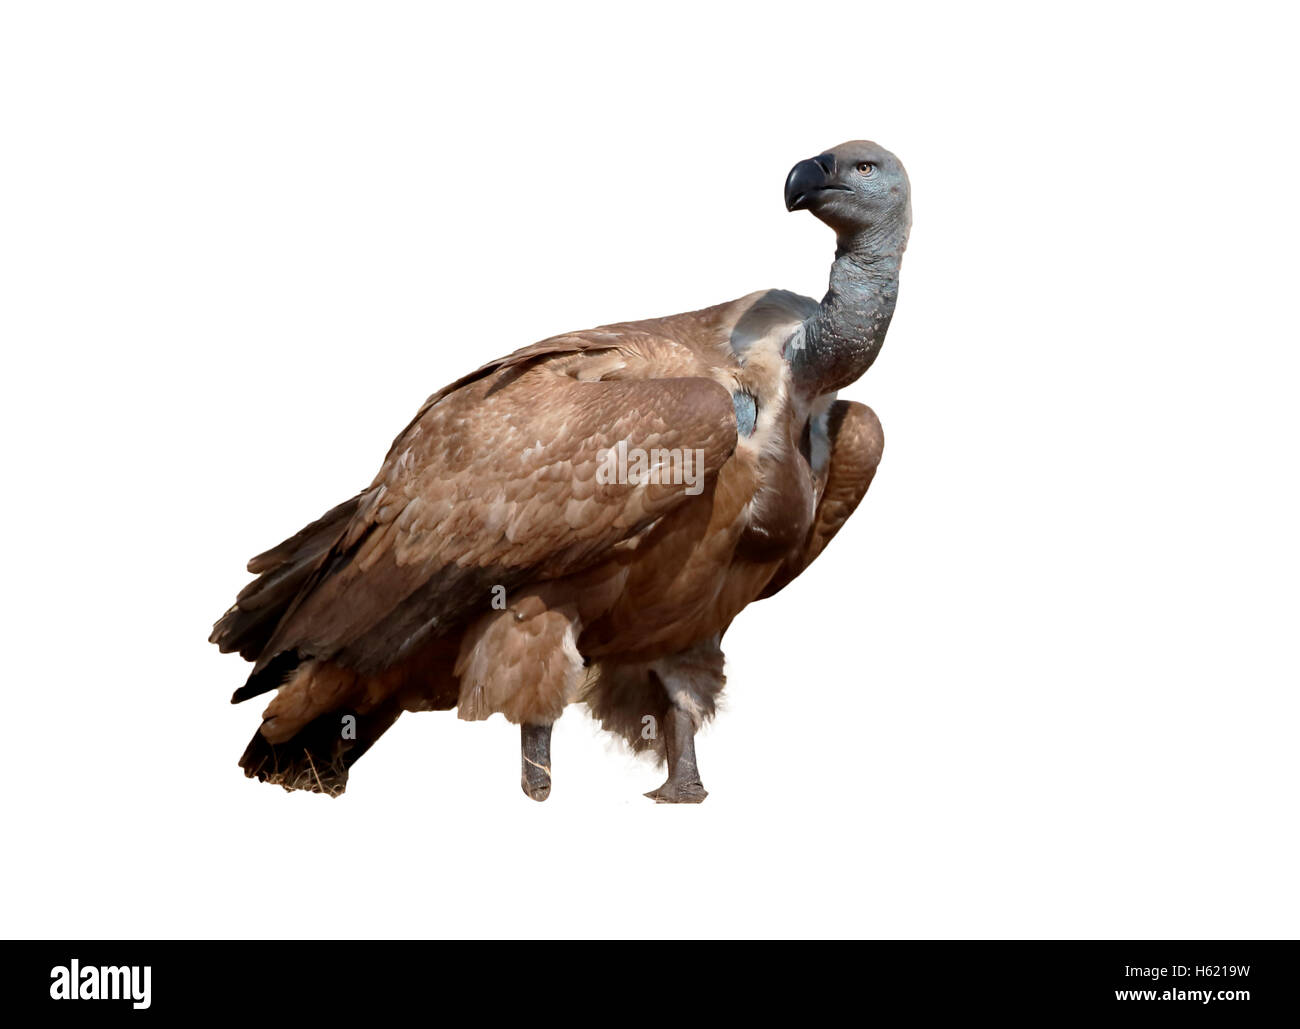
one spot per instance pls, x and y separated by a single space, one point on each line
580 521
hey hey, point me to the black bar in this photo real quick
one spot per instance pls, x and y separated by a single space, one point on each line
292 982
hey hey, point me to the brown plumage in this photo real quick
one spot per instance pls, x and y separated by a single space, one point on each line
503 561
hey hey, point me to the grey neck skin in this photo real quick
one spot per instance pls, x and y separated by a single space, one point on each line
844 336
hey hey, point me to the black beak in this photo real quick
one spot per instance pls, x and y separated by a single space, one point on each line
807 178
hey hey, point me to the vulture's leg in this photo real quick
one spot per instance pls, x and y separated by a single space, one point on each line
535 747
683 785
691 682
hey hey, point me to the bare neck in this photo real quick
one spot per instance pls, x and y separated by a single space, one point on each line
843 338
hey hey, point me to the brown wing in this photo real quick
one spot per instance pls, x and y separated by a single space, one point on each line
856 443
495 484
680 345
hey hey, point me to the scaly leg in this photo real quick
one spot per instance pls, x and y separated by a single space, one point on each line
683 785
535 747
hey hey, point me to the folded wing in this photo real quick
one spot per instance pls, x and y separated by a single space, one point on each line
492 485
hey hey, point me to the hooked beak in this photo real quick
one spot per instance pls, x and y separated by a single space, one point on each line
807 179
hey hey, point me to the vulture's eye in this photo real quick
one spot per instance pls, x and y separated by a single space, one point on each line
866 167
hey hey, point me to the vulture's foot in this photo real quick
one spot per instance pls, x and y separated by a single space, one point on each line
535 748
683 785
679 793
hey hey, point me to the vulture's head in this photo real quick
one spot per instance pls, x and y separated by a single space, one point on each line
858 189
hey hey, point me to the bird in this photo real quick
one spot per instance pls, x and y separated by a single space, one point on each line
580 521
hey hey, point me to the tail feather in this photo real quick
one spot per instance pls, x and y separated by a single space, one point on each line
270 678
282 572
318 758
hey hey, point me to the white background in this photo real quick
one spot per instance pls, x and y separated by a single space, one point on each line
1043 684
